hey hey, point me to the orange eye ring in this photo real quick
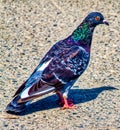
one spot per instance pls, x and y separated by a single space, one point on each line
97 18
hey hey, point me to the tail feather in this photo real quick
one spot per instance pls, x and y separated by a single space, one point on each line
24 95
14 107
20 89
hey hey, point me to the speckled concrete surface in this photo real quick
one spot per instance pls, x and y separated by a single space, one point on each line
27 30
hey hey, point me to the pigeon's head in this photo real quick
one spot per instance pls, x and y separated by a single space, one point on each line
95 18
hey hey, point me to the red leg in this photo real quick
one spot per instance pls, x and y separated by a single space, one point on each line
66 104
61 102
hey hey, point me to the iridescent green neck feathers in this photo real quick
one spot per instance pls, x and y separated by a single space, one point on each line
81 33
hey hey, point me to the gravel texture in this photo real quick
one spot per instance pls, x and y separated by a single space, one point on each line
28 28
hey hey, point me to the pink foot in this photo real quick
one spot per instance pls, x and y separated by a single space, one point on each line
69 106
64 102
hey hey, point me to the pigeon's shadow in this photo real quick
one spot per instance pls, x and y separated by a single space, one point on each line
78 96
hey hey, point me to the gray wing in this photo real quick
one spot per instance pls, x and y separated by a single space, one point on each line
66 67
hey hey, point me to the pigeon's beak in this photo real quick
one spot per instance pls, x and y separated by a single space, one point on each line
105 22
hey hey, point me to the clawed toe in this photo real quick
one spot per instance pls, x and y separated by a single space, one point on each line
71 106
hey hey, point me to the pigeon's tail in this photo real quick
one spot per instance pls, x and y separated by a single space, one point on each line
14 107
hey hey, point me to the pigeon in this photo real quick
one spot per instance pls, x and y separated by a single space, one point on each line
60 67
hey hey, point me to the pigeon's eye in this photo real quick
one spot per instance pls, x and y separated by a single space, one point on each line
97 18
